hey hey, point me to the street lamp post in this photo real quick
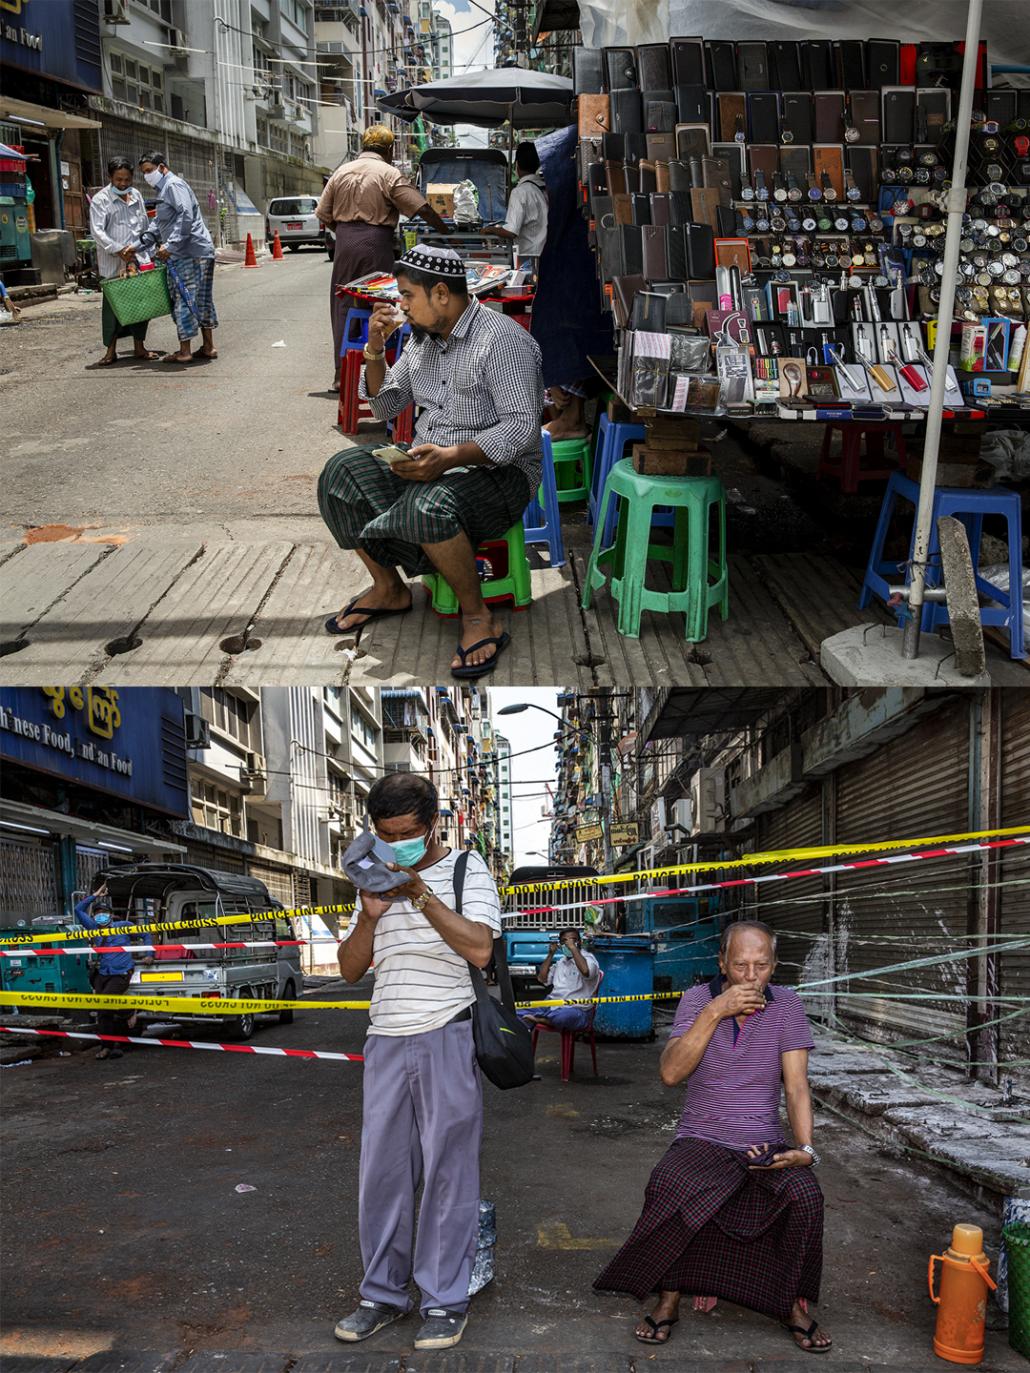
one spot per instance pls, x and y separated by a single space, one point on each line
605 772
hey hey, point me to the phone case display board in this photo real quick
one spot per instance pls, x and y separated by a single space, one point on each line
787 202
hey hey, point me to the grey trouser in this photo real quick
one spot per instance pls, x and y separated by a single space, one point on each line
422 1120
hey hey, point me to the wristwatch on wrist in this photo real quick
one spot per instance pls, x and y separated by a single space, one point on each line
421 902
373 357
807 1149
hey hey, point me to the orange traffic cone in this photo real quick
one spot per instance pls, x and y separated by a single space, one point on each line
277 249
251 258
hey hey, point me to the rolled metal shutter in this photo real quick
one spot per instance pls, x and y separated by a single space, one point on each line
29 886
279 881
915 786
207 856
794 909
1014 969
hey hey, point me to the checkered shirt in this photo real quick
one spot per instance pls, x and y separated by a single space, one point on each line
482 384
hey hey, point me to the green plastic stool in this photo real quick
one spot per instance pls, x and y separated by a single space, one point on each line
572 468
699 581
514 585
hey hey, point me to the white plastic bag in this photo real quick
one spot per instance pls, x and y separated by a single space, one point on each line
466 203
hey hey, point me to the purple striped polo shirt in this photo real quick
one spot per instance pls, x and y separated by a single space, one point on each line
733 1095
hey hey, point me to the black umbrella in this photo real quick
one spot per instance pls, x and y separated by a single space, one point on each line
528 99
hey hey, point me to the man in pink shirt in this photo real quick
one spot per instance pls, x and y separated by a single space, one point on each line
732 1210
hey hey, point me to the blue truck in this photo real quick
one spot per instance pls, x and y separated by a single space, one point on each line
527 937
686 930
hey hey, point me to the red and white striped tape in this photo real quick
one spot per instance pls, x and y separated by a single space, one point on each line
951 851
891 860
187 1044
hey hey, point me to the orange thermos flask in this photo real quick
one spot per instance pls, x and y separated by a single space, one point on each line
962 1303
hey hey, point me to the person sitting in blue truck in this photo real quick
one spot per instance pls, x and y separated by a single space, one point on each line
115 969
573 977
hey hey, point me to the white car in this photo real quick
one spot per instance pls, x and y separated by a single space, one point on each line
294 216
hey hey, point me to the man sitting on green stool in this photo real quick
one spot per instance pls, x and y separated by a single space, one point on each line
475 376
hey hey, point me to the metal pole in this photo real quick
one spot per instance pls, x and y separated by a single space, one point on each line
956 206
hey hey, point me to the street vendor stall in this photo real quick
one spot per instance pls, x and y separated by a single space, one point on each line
787 230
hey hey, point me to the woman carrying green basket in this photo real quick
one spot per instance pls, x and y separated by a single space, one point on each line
117 217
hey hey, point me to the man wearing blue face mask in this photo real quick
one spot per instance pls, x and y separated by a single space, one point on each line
422 1112
180 237
115 970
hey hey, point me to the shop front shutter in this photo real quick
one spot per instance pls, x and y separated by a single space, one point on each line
1015 866
279 881
207 856
794 909
29 887
88 862
913 787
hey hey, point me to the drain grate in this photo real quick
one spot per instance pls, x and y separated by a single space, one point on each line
239 643
123 645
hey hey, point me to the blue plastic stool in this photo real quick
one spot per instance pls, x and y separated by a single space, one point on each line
970 507
355 328
542 517
612 438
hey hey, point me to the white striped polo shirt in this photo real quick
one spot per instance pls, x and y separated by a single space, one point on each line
733 1095
420 982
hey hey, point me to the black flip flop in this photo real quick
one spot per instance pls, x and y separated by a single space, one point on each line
656 1326
332 627
809 1334
469 674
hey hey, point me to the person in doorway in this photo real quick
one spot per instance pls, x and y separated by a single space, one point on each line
567 322
361 204
180 237
732 1210
574 977
526 220
476 460
422 1111
117 217
114 970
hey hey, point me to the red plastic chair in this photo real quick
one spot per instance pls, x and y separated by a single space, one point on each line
569 1037
852 465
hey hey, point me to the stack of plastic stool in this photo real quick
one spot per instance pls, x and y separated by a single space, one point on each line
512 584
699 581
612 438
542 519
570 459
970 506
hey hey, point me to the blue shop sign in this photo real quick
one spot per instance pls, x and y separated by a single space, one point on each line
130 742
55 38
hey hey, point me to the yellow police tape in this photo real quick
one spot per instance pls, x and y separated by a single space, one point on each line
222 1006
752 859
565 884
154 926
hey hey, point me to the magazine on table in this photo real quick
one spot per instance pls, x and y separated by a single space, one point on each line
482 278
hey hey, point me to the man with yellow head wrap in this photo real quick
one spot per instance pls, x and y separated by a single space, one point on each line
362 202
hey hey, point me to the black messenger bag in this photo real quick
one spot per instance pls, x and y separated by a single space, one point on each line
504 1046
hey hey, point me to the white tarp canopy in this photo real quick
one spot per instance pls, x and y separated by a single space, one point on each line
1006 23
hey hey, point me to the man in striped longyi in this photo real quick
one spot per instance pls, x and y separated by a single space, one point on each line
732 1210
475 378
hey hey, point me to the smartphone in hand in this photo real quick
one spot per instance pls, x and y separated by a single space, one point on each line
391 454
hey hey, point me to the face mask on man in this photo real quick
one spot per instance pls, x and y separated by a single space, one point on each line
408 852
152 178
120 190
102 918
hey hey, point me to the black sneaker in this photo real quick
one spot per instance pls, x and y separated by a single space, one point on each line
365 1320
441 1329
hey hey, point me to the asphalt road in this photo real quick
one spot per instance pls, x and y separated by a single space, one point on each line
243 436
123 1230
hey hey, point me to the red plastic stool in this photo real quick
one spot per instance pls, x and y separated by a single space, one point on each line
404 425
847 467
351 410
